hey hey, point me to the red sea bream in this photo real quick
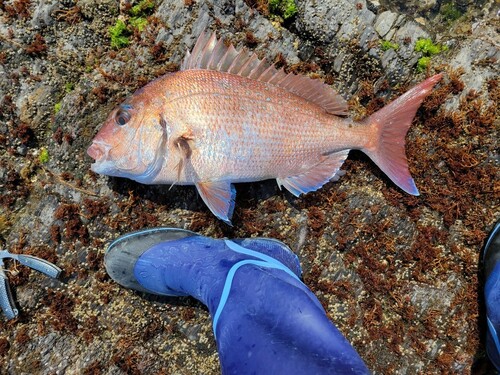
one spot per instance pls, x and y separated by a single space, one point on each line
229 117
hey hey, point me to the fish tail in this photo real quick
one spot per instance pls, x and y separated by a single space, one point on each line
392 123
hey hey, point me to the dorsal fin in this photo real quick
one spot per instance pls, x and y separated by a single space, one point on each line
212 53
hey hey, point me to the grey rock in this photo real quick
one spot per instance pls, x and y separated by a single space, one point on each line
388 57
425 298
413 31
35 103
179 17
412 7
368 37
366 16
373 5
93 9
472 57
164 36
384 22
343 18
345 23
42 13
22 150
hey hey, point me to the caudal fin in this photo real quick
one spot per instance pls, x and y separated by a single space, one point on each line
392 123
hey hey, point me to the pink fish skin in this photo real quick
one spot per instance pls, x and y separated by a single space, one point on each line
228 117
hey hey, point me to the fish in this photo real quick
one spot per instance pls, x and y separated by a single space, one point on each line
228 117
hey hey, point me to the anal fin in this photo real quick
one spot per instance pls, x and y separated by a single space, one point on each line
316 176
219 197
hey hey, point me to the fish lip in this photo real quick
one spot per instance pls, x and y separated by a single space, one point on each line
105 167
102 165
98 151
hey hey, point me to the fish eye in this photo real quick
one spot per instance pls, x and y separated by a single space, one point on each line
122 117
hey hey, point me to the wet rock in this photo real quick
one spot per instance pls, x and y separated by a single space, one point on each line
385 265
384 22
94 9
35 104
42 14
182 17
413 6
472 57
346 23
425 298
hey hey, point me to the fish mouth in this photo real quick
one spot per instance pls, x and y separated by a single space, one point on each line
105 164
98 150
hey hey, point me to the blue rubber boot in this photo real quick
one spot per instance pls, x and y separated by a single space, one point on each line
492 294
265 320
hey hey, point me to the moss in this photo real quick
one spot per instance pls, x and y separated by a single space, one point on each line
68 87
428 49
138 23
284 8
142 8
118 34
121 31
450 12
387 45
423 63
57 107
44 156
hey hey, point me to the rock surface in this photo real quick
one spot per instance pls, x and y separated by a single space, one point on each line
399 275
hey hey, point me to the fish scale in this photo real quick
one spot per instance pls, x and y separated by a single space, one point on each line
276 135
230 117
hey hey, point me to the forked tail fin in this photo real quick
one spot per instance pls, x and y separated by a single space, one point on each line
392 123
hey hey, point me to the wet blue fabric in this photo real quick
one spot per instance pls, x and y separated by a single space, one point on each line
492 298
492 295
267 320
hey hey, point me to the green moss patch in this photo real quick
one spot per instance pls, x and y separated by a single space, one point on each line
428 49
450 12
118 34
142 8
138 23
44 156
283 8
387 45
136 20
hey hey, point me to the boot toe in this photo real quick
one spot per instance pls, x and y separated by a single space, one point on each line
123 253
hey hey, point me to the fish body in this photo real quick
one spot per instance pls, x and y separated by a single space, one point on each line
229 117
245 130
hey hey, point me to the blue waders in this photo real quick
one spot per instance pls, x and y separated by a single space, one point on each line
265 320
491 258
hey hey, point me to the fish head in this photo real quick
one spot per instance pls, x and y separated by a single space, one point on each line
132 141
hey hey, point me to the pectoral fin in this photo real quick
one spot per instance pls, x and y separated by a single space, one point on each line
185 151
219 197
316 176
